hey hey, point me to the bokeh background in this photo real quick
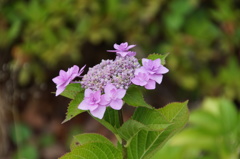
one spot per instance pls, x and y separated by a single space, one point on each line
40 37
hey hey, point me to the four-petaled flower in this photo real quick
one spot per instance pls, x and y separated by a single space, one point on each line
65 78
154 69
122 49
113 96
151 72
142 78
93 101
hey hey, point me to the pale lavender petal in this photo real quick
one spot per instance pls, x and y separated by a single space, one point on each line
124 45
131 53
84 105
81 70
139 82
108 88
97 96
157 62
112 50
62 73
105 99
57 80
116 104
123 54
116 46
60 89
88 92
162 70
140 70
157 78
130 46
74 70
150 85
120 93
145 62
99 112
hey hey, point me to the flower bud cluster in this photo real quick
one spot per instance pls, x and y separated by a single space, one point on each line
119 72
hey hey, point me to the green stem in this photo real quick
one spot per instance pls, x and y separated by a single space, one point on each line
124 150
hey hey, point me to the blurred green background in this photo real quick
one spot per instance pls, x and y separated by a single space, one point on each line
39 37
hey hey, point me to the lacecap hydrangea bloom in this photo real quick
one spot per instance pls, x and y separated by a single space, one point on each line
65 78
106 83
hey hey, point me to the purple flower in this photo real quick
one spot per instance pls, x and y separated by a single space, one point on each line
113 96
154 69
122 49
65 78
92 101
142 78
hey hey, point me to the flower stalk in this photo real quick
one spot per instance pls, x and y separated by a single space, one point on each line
124 150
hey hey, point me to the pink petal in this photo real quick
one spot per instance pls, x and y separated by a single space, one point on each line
88 92
145 62
60 89
130 46
136 81
124 45
84 105
122 54
111 50
105 99
157 78
162 70
116 46
120 93
140 70
99 112
81 70
62 73
108 88
157 62
150 85
57 80
131 53
116 104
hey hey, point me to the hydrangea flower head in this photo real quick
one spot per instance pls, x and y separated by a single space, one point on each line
123 49
93 101
65 78
113 96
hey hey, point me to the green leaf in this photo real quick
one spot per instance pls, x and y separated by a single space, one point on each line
158 56
20 133
94 150
135 98
82 139
73 107
71 90
131 127
146 142
110 120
